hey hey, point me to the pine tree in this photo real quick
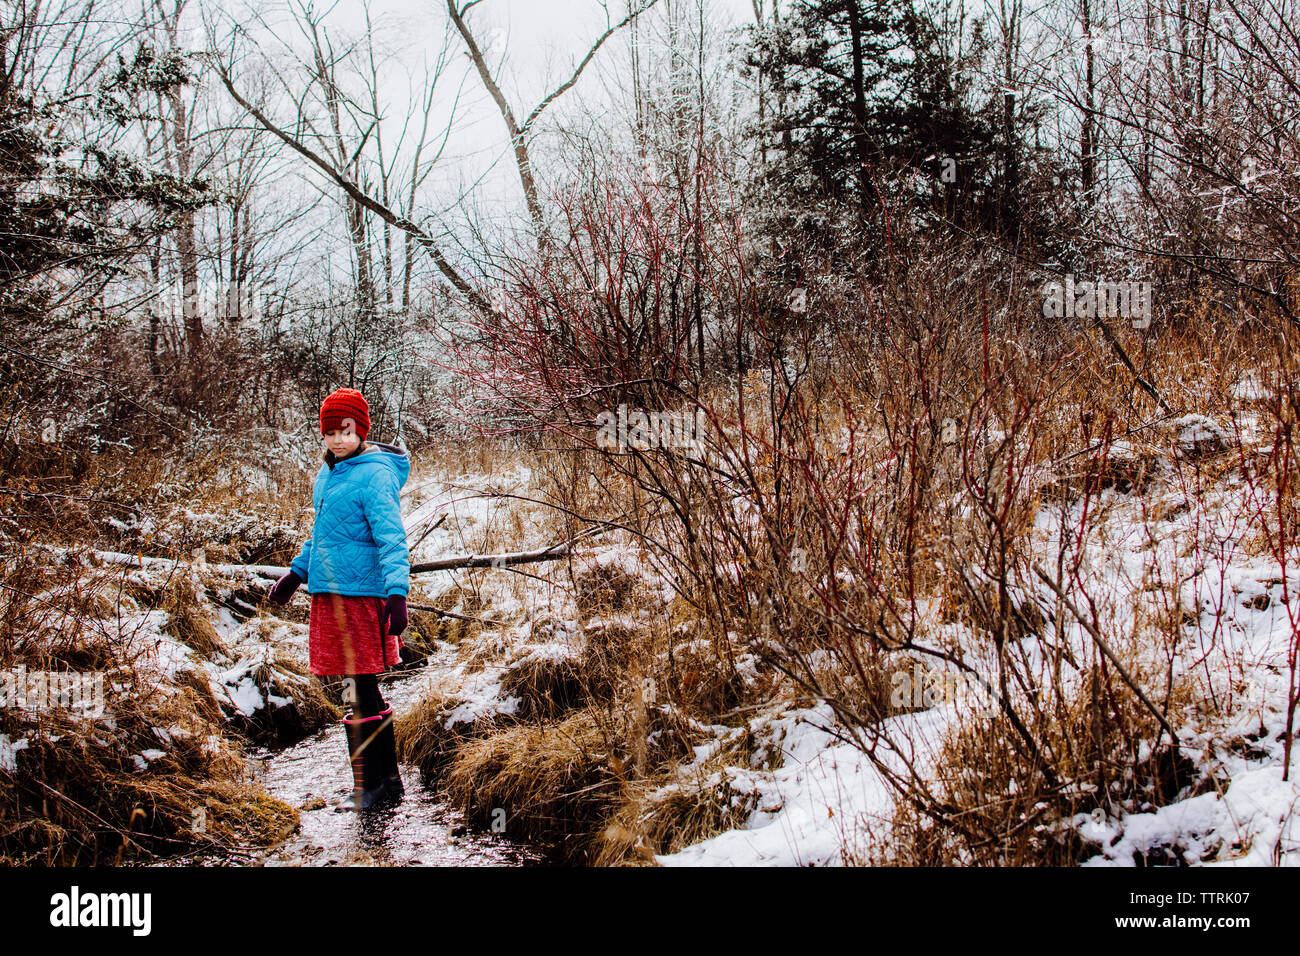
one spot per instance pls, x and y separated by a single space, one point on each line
74 213
872 110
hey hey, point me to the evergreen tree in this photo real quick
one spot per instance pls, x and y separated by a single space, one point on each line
74 212
872 113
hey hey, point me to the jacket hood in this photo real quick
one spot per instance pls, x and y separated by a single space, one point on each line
383 455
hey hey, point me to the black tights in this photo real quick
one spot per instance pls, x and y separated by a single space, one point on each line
369 701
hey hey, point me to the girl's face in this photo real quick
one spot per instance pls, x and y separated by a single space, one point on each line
341 441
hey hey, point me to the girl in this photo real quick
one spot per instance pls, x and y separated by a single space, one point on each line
356 568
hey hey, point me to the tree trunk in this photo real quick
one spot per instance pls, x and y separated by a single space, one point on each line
183 153
861 146
155 309
186 249
518 138
1087 134
355 213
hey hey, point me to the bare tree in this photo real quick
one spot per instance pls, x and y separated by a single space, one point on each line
1194 121
520 132
182 160
339 160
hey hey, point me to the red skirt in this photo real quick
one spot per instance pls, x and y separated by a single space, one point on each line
347 636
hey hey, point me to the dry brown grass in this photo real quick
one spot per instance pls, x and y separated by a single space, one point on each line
547 687
454 630
679 803
611 651
601 588
1109 467
655 818
424 739
486 651
163 502
188 620
308 709
198 689
998 810
79 795
550 785
462 456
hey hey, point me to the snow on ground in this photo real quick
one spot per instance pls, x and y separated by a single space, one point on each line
813 806
8 752
812 809
808 809
474 504
1233 653
1254 823
480 695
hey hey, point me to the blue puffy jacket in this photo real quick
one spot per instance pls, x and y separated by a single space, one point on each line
357 544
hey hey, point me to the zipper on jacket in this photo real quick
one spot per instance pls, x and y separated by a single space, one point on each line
324 493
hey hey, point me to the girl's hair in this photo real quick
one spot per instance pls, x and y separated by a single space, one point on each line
360 448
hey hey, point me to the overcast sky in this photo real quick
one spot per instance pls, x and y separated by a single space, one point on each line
532 47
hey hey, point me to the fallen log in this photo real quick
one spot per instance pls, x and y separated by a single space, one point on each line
553 553
139 561
460 617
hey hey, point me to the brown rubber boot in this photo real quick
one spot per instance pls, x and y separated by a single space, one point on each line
365 751
387 754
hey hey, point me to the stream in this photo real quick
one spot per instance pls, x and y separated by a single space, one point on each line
421 830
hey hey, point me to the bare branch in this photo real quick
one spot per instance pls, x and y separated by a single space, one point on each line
360 196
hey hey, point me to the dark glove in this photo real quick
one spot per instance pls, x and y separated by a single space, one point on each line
283 589
393 616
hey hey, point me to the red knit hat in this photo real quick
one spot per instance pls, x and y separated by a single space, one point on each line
342 406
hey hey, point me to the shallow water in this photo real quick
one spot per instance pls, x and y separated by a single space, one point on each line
422 830
418 831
